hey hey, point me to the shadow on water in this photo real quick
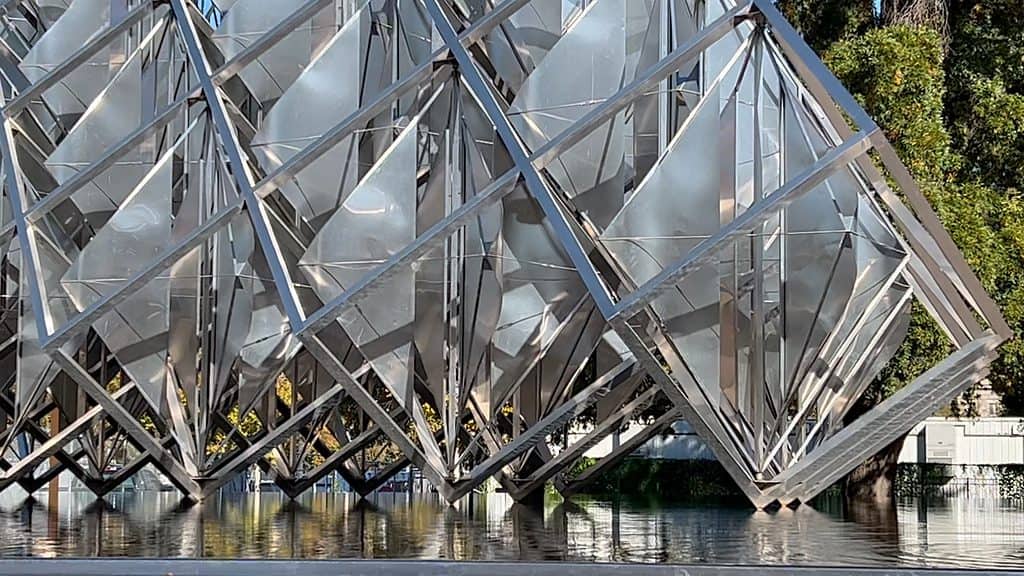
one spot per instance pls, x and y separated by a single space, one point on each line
958 532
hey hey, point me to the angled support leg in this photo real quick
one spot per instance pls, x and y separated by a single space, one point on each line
887 421
162 458
57 442
565 458
258 449
558 417
606 463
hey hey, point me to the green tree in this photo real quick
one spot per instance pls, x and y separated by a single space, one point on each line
989 227
985 96
985 113
823 22
990 131
986 41
897 74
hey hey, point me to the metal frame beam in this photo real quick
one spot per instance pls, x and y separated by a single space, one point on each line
621 452
565 458
81 56
485 97
686 395
57 441
323 402
540 159
162 459
745 223
566 411
886 422
39 435
238 163
374 410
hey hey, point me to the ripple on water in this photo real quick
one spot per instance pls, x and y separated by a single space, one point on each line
955 532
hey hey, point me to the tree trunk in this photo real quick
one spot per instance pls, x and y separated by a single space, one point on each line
873 482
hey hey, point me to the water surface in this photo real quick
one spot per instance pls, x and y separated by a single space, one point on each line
956 532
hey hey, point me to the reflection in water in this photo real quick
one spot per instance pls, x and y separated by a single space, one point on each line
957 532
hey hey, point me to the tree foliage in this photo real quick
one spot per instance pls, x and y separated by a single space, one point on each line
985 113
823 22
991 132
896 73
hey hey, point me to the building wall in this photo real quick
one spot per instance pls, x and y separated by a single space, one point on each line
981 441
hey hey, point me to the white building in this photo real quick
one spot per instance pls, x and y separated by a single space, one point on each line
937 440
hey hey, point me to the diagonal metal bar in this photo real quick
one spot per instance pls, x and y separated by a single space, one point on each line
622 451
756 215
374 410
258 449
81 56
544 156
380 478
809 395
566 457
641 86
488 102
887 421
559 416
29 251
109 158
423 243
84 319
57 441
824 85
417 76
382 102
32 483
239 165
876 338
685 394
162 458
253 51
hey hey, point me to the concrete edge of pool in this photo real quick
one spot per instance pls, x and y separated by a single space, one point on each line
188 567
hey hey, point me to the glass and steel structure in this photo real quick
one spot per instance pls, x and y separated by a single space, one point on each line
357 235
